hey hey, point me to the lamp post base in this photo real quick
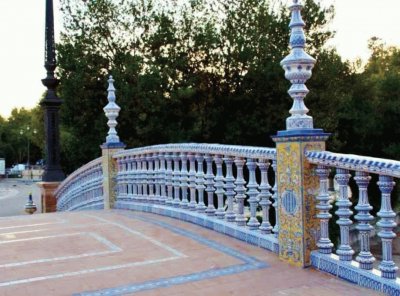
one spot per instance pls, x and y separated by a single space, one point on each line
49 201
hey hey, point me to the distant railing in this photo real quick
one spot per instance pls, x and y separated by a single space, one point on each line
211 184
362 168
82 189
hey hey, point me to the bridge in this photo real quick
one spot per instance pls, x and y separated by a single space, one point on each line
197 219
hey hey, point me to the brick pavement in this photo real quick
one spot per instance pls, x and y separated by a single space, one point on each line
126 253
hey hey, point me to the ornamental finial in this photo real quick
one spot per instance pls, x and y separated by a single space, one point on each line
111 111
298 65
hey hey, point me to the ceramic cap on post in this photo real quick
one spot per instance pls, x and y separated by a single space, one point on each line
298 65
111 111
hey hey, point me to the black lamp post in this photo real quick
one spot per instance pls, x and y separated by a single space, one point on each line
51 104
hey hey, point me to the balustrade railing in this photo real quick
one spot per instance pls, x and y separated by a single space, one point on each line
359 168
83 189
221 182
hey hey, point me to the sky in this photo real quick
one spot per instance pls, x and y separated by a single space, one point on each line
22 46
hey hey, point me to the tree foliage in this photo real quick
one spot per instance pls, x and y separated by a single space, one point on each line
199 70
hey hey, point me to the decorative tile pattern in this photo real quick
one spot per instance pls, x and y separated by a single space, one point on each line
248 263
265 241
297 214
351 272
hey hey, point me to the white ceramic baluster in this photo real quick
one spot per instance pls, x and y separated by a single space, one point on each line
150 177
229 187
184 179
134 178
210 211
157 196
324 243
175 180
144 177
252 191
168 179
344 251
264 196
240 191
201 207
129 177
386 224
275 197
363 217
192 182
219 186
162 179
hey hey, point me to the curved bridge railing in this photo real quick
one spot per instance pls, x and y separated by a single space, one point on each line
82 189
208 184
358 168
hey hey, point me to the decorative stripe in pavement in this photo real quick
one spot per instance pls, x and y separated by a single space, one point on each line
249 263
85 271
112 249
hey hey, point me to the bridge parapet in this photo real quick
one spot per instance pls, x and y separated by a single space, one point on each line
206 184
359 168
82 189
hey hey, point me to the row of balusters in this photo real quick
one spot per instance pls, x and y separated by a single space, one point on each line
181 179
363 218
86 187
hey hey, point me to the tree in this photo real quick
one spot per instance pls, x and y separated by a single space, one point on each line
200 70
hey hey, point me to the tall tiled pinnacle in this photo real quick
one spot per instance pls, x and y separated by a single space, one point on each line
298 65
111 111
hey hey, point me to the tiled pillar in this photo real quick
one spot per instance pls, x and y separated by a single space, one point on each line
109 166
298 186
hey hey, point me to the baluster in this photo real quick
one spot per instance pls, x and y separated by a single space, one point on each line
264 196
344 251
192 182
210 211
200 180
119 172
229 186
129 177
240 191
134 178
168 179
143 176
157 197
219 186
139 179
252 192
386 224
175 180
162 179
184 179
324 244
150 177
121 180
365 258
124 180
275 197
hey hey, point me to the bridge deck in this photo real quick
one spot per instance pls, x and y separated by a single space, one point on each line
121 252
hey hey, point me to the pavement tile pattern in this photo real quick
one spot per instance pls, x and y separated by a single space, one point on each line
133 253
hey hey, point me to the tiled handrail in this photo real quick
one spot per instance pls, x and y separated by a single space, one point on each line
228 150
82 188
355 162
362 167
216 184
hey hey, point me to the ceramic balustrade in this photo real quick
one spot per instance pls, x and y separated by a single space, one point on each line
359 168
82 189
216 180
